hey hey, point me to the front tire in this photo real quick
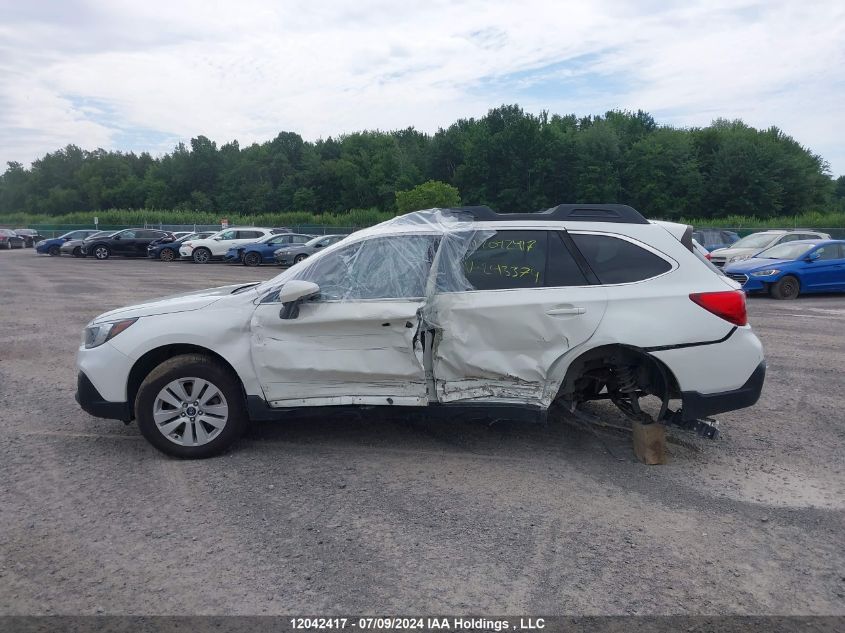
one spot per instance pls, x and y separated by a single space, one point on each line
190 406
787 287
77 252
167 255
252 259
102 252
54 251
299 258
202 256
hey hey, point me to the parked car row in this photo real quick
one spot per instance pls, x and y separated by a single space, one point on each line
18 238
250 246
782 263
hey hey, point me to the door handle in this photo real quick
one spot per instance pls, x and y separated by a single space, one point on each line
565 310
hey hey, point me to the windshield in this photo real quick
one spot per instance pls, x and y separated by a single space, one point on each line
757 240
790 250
316 240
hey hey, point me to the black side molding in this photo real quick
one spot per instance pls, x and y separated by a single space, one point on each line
700 405
663 348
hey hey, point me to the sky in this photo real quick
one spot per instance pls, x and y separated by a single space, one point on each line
143 75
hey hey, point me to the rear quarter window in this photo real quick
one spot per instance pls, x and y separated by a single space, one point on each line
509 259
618 261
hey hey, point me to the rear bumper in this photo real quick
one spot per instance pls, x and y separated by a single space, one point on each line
700 405
92 402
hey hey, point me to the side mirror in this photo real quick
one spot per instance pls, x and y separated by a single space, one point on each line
318 245
812 256
116 237
292 294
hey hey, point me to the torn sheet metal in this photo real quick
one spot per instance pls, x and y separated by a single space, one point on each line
482 348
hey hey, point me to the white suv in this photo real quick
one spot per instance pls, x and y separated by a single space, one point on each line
215 247
449 308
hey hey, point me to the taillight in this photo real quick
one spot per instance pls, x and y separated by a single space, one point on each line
707 257
729 305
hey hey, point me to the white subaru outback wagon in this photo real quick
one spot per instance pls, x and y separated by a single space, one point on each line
450 309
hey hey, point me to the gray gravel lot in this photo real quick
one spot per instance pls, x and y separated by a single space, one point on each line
376 514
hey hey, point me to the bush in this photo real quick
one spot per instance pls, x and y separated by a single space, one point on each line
427 196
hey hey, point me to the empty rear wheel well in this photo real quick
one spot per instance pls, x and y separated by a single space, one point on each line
583 377
155 357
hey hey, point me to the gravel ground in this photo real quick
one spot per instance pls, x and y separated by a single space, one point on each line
376 514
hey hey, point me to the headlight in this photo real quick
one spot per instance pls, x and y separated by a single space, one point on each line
96 335
765 273
738 258
40 242
282 253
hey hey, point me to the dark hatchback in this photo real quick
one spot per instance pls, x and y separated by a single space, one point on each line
30 236
127 243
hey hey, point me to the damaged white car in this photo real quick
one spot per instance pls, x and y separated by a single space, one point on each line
451 309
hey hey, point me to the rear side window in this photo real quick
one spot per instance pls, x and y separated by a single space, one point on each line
250 235
509 259
617 261
830 251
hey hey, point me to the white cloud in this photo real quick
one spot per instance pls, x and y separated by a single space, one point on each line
248 70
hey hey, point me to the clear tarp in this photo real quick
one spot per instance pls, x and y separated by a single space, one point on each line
395 259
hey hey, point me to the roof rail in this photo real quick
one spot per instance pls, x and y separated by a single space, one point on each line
619 213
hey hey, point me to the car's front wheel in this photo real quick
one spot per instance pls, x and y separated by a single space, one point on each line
77 252
299 258
101 252
191 406
202 255
252 259
786 287
54 251
167 255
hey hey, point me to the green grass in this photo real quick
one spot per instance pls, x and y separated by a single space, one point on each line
135 217
812 220
361 218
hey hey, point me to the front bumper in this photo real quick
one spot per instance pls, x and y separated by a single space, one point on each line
93 403
701 405
284 260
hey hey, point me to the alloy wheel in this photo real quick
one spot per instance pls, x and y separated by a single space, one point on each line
190 411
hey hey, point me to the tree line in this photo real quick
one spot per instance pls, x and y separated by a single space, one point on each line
508 159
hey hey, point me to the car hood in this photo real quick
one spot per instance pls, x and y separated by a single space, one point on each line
168 305
756 263
733 252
